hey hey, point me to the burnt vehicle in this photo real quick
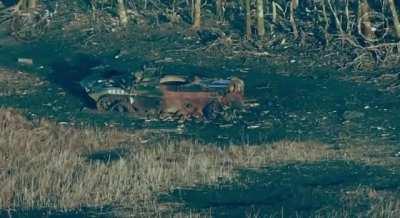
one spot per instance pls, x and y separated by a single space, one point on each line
147 94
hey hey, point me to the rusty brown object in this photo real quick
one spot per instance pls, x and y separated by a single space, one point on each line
192 104
186 104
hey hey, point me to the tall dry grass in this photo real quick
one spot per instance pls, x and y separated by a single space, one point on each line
46 165
18 83
43 164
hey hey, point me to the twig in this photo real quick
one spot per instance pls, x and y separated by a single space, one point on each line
337 21
390 44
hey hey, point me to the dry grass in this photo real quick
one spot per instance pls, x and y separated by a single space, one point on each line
383 203
18 83
45 165
369 154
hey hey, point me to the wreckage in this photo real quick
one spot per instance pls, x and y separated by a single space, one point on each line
145 94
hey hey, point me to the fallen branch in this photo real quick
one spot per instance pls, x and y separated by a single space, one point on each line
383 45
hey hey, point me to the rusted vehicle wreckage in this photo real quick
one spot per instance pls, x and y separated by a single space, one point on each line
145 94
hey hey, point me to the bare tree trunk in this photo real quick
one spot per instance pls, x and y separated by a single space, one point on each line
395 16
123 18
32 4
21 5
274 13
191 9
197 15
260 19
25 5
293 6
326 20
218 9
366 25
248 20
347 12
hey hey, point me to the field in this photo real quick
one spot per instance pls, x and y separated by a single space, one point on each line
319 138
86 170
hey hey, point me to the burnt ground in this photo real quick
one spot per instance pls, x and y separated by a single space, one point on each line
289 102
296 97
297 189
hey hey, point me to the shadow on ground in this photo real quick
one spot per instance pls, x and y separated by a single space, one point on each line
105 212
292 190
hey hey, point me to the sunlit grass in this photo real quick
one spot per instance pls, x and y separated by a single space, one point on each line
47 165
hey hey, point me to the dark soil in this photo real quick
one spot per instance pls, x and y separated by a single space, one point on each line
312 106
295 190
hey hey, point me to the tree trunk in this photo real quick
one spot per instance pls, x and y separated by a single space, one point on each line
197 15
218 9
25 5
293 6
326 21
32 4
21 5
123 18
365 21
395 16
260 19
274 13
248 20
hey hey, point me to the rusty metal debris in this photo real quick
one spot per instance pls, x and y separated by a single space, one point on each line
148 94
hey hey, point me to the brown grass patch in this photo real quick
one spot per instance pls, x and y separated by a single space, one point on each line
45 165
14 83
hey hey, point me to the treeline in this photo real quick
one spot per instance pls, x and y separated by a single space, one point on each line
356 22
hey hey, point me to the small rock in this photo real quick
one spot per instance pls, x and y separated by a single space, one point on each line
253 127
25 61
255 104
244 70
225 125
121 53
165 60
